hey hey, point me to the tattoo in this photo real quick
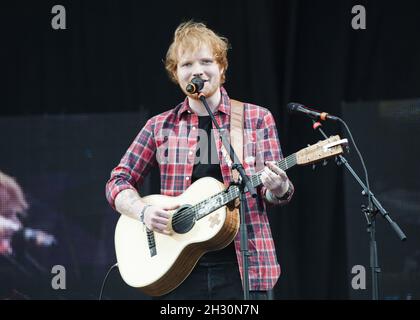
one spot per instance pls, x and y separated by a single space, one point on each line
128 202
132 198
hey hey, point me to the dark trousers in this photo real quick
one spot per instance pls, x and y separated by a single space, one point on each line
213 281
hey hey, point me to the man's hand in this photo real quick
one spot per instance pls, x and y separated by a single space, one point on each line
157 218
275 179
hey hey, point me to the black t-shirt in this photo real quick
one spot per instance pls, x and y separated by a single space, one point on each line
210 169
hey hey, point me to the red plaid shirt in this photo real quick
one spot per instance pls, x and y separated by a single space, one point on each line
169 140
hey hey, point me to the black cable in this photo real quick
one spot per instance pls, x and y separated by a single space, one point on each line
106 277
361 160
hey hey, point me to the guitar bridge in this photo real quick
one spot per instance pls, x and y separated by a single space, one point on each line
151 242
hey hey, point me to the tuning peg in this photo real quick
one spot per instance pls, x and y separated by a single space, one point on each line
324 163
314 166
338 161
309 145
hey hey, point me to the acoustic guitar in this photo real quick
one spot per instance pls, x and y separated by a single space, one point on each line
208 220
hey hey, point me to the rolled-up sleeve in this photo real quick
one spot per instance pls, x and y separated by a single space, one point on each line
136 163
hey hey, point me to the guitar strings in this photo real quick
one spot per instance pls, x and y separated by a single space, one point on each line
255 179
284 164
184 215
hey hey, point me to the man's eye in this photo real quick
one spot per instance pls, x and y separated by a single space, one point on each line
207 61
186 64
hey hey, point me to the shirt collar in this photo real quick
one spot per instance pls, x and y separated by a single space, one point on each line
224 105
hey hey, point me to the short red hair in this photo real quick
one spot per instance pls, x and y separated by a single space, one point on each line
191 36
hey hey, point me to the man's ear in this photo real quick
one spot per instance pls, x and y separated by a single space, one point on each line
222 71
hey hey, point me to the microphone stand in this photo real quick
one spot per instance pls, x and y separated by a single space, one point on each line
370 214
244 185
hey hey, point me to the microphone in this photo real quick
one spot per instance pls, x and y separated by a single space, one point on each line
294 107
195 85
41 238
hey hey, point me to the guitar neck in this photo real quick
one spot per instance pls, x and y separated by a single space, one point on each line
283 164
222 198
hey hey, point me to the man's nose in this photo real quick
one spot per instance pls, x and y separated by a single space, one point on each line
197 70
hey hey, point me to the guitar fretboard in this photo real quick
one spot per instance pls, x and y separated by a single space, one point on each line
220 199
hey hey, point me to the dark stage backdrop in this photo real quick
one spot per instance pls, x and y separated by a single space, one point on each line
109 60
388 135
62 164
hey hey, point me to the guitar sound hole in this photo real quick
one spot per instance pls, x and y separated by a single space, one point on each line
183 220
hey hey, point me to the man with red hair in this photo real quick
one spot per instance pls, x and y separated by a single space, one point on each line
197 51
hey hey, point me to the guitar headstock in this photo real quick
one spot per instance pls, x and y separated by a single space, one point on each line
324 149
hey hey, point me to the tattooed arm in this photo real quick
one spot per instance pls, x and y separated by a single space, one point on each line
128 202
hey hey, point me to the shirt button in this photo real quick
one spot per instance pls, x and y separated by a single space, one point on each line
193 128
187 178
189 111
190 153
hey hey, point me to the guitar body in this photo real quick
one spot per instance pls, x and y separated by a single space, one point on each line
159 272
